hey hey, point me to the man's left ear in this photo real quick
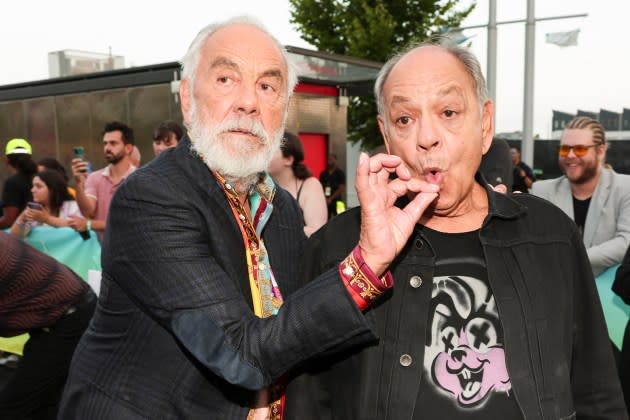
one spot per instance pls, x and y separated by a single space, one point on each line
487 125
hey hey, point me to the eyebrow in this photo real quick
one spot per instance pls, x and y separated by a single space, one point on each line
450 89
226 62
399 99
272 73
223 62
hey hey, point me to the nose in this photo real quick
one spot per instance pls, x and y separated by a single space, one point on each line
428 135
247 100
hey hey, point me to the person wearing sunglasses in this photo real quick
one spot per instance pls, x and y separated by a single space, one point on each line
591 193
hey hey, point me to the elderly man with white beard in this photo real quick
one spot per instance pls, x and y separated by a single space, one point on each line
199 314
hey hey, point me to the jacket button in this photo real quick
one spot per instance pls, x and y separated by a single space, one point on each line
405 360
418 243
415 281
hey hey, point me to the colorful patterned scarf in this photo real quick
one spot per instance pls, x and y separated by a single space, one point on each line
266 295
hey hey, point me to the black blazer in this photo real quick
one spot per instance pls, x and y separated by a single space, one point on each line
174 334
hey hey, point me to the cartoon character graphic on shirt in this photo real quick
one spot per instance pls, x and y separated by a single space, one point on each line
464 353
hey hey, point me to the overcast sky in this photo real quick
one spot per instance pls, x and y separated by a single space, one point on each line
593 75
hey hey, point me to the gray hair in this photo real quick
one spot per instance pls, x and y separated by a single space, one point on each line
190 60
464 55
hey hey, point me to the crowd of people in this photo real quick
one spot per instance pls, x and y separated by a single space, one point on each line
235 287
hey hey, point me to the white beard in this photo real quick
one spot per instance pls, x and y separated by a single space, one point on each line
241 160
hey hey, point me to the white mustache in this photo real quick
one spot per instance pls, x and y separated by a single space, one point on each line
249 125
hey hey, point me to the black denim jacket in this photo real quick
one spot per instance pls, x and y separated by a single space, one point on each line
558 354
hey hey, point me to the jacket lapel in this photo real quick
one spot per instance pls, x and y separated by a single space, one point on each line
224 231
565 197
597 206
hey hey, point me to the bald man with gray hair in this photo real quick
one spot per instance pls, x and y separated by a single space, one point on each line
494 314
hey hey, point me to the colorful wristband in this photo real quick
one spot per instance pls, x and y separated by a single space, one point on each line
361 282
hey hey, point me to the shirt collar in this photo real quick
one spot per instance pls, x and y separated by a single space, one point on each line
265 187
107 171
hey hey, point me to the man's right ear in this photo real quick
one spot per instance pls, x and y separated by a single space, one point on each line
184 97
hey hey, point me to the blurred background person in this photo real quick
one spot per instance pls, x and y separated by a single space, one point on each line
523 175
166 135
333 181
96 189
496 166
55 165
53 204
596 197
288 170
135 156
17 188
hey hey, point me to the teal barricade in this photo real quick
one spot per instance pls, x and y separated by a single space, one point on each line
68 247
616 311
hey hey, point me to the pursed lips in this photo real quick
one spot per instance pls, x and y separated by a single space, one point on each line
433 175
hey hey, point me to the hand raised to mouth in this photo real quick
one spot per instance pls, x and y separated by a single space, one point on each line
384 227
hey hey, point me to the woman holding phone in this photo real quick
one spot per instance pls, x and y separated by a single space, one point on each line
52 205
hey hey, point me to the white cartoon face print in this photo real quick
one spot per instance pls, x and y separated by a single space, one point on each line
465 356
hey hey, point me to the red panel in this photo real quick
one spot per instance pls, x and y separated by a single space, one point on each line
322 90
315 151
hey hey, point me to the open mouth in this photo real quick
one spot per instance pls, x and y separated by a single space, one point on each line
470 380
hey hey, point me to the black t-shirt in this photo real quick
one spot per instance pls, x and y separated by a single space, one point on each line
465 373
16 192
580 209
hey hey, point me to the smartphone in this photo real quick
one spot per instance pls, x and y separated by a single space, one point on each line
79 152
34 205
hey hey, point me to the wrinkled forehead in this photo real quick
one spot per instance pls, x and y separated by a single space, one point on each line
245 46
428 70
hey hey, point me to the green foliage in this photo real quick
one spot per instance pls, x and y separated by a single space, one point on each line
374 30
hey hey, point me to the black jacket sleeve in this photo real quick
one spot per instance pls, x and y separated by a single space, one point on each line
174 255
